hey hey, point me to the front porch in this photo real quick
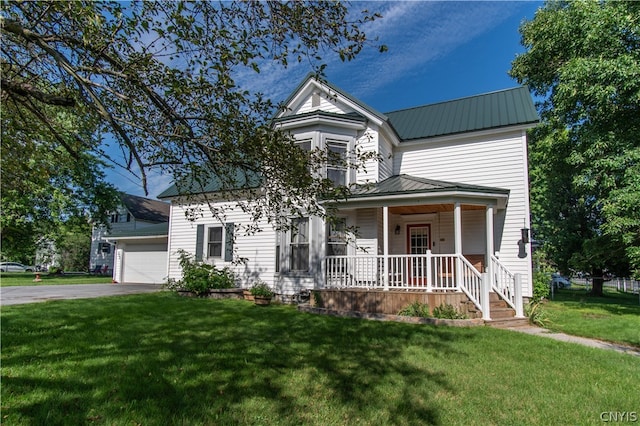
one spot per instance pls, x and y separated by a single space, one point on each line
428 278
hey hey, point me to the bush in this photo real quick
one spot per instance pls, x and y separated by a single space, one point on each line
416 309
447 311
541 285
199 277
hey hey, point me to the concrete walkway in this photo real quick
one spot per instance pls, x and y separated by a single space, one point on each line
42 293
593 343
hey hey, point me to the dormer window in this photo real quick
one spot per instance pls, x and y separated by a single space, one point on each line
121 217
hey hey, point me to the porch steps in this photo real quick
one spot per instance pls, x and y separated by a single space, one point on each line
502 315
507 322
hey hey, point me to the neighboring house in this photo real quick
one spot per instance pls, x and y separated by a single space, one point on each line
134 247
447 207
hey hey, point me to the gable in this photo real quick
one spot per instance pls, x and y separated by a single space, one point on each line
315 95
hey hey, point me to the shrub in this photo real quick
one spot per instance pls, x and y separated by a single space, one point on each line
536 314
541 276
261 289
415 309
199 277
447 311
541 285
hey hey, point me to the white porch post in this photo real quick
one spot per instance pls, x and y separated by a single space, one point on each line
485 301
457 226
117 267
490 277
517 293
385 225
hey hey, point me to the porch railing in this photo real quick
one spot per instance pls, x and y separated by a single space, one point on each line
430 272
507 285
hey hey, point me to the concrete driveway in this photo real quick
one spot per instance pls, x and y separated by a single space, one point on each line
42 293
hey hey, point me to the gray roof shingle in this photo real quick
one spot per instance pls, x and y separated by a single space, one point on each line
146 209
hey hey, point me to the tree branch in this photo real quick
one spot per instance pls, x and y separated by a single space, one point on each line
28 90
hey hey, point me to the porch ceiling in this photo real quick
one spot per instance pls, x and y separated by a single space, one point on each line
431 208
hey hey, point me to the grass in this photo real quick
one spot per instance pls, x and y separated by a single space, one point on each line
614 318
161 359
8 279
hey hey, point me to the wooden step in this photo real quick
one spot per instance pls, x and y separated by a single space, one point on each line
500 313
507 322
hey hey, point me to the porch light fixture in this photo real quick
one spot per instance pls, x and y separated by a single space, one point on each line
397 230
525 235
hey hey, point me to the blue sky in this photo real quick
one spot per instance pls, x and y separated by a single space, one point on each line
437 51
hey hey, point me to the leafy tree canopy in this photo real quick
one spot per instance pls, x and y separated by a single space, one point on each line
162 78
583 59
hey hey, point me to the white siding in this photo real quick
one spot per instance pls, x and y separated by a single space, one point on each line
367 223
368 142
494 162
385 165
258 248
327 105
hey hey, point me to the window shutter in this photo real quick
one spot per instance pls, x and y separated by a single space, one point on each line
228 241
199 242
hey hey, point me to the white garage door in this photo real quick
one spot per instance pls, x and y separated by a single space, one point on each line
145 263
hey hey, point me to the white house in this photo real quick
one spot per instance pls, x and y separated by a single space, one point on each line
134 246
447 208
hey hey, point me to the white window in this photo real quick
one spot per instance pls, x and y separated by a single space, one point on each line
120 217
214 244
337 237
304 144
337 162
299 245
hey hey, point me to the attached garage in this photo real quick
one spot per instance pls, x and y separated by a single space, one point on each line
141 256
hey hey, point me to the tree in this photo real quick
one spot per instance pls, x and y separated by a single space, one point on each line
43 185
583 59
164 79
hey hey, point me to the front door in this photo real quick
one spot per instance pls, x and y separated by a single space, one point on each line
418 241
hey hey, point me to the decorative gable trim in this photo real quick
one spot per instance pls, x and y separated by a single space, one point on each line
346 121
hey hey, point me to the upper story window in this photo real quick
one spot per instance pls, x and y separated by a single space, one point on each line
304 144
120 217
337 165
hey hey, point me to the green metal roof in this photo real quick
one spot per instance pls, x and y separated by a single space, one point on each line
238 179
159 229
486 111
406 184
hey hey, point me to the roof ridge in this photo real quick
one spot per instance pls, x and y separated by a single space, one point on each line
462 98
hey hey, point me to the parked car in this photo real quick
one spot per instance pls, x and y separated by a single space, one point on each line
15 267
558 281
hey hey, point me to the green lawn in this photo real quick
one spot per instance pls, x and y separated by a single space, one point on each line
27 278
162 359
615 317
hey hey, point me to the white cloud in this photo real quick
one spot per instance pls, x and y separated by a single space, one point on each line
418 33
